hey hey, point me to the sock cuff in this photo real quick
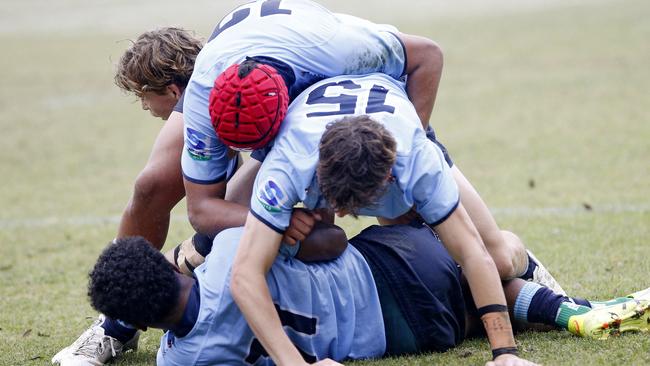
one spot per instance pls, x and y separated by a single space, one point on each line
524 298
567 310
562 317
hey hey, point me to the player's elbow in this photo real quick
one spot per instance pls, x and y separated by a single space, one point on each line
198 218
432 56
153 192
423 54
239 282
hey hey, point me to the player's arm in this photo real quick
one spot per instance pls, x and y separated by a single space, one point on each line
240 187
209 212
257 250
437 200
158 187
424 69
463 242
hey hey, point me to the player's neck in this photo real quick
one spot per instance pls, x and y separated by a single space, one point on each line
186 283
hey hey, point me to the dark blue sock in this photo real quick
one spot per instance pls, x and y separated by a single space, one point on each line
116 329
545 304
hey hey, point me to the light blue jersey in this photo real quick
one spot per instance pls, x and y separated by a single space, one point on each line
288 175
314 42
328 309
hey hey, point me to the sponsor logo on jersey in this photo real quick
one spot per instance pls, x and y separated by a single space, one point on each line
271 195
199 145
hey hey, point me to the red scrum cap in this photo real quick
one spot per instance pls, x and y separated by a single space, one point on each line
247 105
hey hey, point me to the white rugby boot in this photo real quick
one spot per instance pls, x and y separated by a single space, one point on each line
542 276
94 348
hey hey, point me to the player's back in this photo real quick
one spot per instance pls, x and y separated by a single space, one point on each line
328 309
377 95
288 174
311 41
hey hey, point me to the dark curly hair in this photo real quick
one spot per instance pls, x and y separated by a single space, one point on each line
156 59
356 157
133 282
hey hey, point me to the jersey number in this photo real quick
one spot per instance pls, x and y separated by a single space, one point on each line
299 323
269 7
347 102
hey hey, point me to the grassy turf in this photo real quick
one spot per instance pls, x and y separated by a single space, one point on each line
544 110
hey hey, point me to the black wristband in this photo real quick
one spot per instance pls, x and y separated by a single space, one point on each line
503 350
494 308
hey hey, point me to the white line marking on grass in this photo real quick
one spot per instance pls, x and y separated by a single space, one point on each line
499 211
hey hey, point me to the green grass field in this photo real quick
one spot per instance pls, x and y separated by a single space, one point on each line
544 108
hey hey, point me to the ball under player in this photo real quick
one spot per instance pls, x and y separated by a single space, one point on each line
395 290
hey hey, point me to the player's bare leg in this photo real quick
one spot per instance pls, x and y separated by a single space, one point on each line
506 248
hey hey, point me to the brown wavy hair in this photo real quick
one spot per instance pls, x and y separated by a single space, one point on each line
356 157
156 59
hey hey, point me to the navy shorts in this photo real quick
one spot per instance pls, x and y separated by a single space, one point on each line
431 135
419 287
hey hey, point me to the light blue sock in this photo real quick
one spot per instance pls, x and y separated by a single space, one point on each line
522 303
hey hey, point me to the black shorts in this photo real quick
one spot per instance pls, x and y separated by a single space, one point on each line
419 287
431 135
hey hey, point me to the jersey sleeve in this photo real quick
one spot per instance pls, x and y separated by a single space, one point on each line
205 158
275 192
427 181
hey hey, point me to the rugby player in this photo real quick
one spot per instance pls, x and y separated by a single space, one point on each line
394 291
415 176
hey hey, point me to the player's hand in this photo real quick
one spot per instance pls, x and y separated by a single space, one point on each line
510 360
327 362
302 222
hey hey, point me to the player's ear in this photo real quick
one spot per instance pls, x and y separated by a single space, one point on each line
175 90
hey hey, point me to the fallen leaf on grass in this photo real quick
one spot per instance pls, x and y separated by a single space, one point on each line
27 333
